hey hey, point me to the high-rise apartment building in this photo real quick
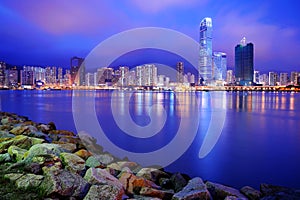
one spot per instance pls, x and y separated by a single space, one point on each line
11 77
294 78
244 63
180 72
229 77
27 76
205 51
283 78
256 77
272 78
124 76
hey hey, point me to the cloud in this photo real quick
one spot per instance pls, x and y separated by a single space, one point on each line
272 43
62 17
155 6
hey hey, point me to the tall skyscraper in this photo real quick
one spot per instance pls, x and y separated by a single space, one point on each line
205 51
76 62
2 73
244 63
219 66
180 72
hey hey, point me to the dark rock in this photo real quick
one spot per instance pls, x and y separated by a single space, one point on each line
278 192
101 192
51 126
178 181
34 168
251 193
151 192
64 183
165 183
219 191
152 174
195 189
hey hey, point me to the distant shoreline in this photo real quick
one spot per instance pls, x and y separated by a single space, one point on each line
174 89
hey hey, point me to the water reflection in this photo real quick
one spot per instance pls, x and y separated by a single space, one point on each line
260 101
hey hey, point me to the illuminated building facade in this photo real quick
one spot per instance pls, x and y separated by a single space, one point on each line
205 51
244 63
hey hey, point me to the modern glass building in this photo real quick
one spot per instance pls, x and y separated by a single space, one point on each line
244 63
219 66
205 51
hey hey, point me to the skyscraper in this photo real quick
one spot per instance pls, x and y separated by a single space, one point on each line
2 73
219 66
205 51
180 72
76 62
244 63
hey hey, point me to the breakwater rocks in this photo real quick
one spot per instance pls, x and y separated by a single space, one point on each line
39 162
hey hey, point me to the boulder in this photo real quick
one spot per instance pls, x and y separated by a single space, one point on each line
29 181
219 191
101 192
21 141
278 192
96 176
16 153
72 162
133 184
195 189
84 154
62 132
152 174
92 161
250 193
151 192
19 129
63 183
67 146
178 181
140 197
6 134
44 149
5 157
121 164
165 183
13 176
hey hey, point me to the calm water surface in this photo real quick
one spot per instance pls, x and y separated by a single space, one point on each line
260 139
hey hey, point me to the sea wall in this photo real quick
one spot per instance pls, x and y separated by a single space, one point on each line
37 161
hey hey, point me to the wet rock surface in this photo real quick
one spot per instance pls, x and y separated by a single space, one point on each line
37 161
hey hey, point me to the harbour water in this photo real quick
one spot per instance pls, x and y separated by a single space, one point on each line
259 140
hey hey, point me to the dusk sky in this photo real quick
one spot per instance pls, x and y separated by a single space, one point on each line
35 32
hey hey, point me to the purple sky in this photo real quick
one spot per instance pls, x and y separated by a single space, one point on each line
35 32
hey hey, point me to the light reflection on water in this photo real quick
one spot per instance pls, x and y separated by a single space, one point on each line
260 141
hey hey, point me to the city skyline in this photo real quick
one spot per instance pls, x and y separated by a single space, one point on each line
57 31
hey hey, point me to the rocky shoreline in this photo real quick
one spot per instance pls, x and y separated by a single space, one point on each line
39 162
